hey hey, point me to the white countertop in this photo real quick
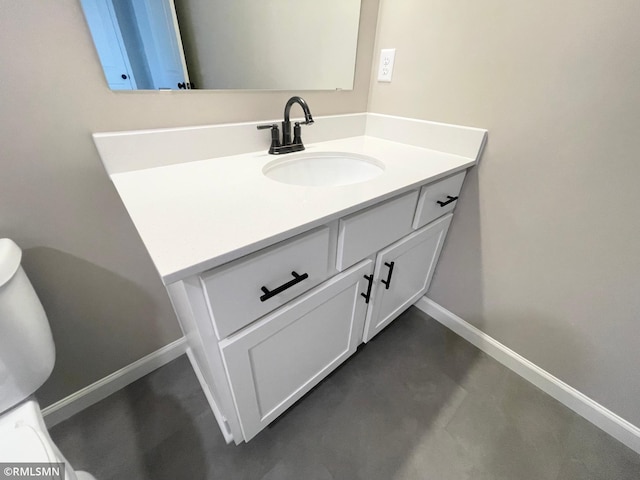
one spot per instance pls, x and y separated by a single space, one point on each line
197 215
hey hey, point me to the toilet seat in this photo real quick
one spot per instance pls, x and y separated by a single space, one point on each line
24 438
21 437
21 444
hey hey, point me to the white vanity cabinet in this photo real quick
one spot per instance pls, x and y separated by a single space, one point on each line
277 281
402 274
267 327
274 362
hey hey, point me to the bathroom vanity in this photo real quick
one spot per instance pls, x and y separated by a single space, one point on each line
277 275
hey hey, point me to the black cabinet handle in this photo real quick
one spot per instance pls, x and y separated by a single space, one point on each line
451 199
367 296
271 293
387 282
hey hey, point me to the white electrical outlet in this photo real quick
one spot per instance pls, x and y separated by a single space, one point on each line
385 68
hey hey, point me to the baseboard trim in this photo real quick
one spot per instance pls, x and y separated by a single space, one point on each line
78 401
584 406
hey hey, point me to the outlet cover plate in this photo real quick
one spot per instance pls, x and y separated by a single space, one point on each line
385 67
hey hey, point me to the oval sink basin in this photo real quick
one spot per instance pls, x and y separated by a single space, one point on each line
326 169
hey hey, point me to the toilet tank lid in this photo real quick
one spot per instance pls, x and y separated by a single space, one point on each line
10 256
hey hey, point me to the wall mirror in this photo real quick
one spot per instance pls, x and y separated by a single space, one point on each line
225 44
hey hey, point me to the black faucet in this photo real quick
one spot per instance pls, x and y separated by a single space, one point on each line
288 145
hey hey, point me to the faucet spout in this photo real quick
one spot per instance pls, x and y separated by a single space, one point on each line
308 118
286 125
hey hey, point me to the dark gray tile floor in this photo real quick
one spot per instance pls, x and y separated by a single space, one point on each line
416 403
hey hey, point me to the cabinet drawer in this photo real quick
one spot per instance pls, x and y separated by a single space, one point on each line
276 361
366 232
235 293
438 198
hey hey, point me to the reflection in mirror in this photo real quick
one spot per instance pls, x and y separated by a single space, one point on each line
225 44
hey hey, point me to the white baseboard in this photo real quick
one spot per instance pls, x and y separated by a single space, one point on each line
600 416
104 387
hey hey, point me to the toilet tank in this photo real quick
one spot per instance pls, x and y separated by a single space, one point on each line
27 352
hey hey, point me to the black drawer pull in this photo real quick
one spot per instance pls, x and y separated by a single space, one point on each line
387 282
451 199
272 293
367 296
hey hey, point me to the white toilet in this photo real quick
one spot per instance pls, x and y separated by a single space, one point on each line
27 355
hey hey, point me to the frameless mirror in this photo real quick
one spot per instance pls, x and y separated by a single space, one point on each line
225 44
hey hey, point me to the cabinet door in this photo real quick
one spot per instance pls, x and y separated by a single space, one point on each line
403 273
275 361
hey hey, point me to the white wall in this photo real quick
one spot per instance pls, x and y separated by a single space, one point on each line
544 251
105 303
